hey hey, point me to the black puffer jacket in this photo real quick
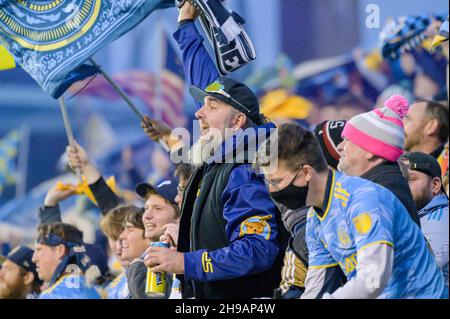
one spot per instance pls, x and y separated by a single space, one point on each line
388 175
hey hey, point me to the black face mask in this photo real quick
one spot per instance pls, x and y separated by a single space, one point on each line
293 197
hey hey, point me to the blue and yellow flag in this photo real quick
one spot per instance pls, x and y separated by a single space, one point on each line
51 39
9 146
6 59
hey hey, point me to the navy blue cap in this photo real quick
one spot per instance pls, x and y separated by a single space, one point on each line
22 256
234 93
166 189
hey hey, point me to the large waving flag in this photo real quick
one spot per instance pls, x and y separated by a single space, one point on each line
9 146
163 93
52 39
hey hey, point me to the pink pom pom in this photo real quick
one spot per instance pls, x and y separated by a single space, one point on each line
398 104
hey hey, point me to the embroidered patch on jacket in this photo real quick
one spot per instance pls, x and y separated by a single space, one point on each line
256 225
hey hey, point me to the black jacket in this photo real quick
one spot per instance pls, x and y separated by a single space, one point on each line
388 175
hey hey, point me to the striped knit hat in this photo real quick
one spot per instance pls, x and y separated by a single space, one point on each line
380 131
329 134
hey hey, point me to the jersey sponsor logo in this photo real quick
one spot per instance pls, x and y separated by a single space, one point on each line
363 223
207 263
256 225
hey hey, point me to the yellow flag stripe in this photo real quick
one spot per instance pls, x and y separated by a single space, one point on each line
6 59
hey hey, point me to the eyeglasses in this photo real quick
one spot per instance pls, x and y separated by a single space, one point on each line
276 184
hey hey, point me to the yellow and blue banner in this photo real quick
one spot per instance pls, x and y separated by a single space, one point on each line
52 39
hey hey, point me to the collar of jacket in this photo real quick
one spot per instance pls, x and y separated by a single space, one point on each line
293 219
437 152
237 142
385 167
438 201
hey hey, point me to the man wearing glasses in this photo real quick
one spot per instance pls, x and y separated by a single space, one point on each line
229 239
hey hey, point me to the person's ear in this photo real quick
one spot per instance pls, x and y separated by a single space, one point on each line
28 278
60 251
307 170
436 185
431 127
239 121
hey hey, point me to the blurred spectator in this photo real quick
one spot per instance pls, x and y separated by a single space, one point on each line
160 210
372 144
427 130
349 106
134 245
425 87
426 127
18 276
112 225
328 113
395 89
183 172
62 263
161 165
426 187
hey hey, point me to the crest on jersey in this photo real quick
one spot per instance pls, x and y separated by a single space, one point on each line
344 238
363 223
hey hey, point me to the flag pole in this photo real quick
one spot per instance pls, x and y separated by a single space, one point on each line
123 95
68 128
22 164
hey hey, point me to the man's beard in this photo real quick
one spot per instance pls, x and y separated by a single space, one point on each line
422 201
412 141
206 147
8 292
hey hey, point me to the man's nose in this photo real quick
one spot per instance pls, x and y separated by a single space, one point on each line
200 114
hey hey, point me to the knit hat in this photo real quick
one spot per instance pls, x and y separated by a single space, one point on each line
380 131
329 135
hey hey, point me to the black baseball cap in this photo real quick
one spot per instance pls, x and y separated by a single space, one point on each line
232 92
166 189
22 256
424 163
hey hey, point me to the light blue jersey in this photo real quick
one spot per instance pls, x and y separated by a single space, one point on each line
357 214
70 287
118 288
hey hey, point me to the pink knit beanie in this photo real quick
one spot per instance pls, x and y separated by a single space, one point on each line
380 131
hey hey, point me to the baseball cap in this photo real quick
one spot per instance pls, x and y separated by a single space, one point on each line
22 257
424 163
229 91
166 189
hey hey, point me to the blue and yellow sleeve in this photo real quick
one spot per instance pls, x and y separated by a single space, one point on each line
372 223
